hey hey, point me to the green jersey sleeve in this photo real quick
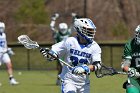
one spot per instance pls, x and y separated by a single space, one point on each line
127 50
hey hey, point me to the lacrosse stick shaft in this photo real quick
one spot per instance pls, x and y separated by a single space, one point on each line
123 73
128 79
29 44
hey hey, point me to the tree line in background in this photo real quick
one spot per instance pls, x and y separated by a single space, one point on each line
115 19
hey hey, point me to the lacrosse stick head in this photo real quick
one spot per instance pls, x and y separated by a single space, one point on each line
104 71
27 42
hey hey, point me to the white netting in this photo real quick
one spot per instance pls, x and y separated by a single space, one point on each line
27 42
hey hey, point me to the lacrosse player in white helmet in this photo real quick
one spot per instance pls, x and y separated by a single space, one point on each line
81 52
59 33
5 53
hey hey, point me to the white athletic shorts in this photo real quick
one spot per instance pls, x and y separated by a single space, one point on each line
69 87
4 58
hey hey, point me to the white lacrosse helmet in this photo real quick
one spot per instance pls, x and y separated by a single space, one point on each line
63 28
137 34
85 28
2 27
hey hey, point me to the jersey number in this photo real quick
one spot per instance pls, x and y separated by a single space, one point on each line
2 44
76 61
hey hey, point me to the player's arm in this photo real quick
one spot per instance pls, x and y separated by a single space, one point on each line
95 66
10 51
50 55
71 27
96 59
57 50
132 72
53 21
83 69
86 69
126 65
126 57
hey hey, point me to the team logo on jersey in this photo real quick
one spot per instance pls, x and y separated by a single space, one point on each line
79 53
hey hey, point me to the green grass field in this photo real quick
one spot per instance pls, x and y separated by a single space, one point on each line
44 82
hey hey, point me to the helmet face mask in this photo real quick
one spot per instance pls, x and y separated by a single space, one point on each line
85 28
63 27
137 34
88 32
63 31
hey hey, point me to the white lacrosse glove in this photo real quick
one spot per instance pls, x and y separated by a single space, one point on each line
55 16
132 72
73 14
48 54
10 52
81 69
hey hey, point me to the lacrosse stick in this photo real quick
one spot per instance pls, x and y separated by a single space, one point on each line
107 71
29 44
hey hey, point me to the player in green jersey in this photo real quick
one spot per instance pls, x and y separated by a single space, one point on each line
59 34
131 63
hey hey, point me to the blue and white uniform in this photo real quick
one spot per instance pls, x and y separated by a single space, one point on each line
76 54
4 57
81 52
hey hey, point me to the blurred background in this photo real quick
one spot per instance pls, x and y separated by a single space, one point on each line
115 21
